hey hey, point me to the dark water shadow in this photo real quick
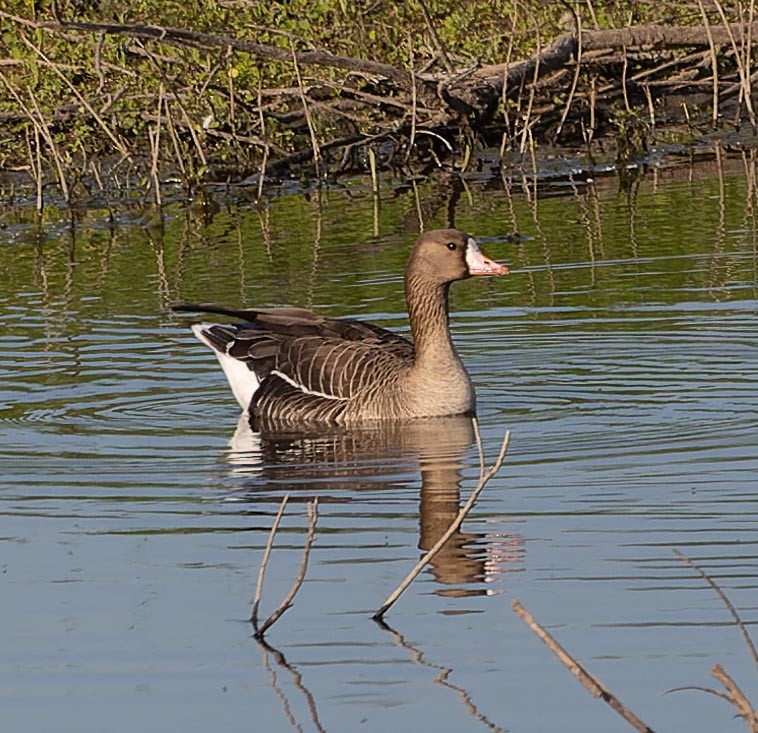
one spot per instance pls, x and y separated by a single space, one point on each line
344 465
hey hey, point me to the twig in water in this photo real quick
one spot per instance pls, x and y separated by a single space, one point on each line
44 130
479 447
730 607
737 697
154 135
372 168
594 687
744 80
507 132
532 91
260 629
35 161
374 189
456 523
650 107
175 142
264 561
35 167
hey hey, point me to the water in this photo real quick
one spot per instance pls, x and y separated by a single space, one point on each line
134 510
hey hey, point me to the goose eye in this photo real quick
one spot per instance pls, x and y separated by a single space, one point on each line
451 245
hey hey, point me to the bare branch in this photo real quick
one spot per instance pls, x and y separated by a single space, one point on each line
184 37
264 561
737 697
456 523
593 685
732 610
287 602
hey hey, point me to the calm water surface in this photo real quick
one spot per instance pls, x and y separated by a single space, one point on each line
622 353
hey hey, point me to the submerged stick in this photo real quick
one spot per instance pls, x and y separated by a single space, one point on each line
456 523
595 688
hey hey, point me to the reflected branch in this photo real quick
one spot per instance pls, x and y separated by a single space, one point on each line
297 678
456 523
278 690
417 656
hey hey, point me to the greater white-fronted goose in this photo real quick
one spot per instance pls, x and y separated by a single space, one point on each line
289 367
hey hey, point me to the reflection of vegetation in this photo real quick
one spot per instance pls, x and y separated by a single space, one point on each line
587 253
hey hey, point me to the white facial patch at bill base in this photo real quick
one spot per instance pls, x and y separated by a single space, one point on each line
475 260
478 263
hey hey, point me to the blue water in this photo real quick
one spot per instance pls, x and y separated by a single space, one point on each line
621 353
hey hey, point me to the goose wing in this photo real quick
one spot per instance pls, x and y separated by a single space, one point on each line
302 322
331 358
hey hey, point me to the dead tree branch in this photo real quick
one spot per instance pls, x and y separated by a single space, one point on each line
260 629
591 683
195 39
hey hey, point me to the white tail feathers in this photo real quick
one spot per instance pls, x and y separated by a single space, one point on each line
242 380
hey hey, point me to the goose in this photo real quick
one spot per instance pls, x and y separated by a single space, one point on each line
290 368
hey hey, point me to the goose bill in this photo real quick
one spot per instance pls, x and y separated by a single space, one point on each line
479 264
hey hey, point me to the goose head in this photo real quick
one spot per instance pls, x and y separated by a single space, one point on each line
445 255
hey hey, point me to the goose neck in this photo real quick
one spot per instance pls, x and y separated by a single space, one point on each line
428 314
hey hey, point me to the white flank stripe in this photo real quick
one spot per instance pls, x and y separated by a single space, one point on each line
304 389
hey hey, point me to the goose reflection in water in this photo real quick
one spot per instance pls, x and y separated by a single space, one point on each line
334 462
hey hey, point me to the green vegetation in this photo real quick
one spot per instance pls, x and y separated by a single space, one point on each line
218 97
